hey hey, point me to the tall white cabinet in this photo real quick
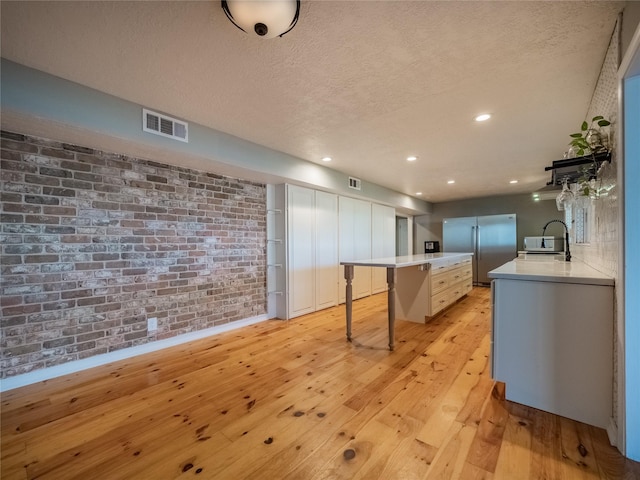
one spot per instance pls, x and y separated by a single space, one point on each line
383 242
355 243
303 256
326 250
309 233
301 250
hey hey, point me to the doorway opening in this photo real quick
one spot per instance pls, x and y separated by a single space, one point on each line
402 236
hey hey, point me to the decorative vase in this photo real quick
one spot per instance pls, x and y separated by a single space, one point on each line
594 139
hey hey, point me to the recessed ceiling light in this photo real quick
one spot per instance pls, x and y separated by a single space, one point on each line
513 181
482 118
451 181
326 159
418 193
412 158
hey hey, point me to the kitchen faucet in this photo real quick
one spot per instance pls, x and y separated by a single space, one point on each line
567 252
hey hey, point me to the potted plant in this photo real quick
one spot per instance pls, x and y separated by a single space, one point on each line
589 141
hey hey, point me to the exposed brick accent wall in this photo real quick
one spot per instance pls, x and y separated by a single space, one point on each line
94 243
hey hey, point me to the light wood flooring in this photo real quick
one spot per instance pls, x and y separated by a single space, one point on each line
295 400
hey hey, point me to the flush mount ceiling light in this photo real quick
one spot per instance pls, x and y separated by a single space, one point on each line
412 158
482 118
326 159
513 181
264 18
451 182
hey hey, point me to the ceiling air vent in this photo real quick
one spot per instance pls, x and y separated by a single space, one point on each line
159 124
355 183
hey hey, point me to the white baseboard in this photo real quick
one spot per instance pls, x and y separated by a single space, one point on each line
612 432
99 360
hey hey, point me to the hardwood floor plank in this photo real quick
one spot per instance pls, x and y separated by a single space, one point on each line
305 449
546 457
411 458
487 443
359 457
514 460
450 459
575 443
436 429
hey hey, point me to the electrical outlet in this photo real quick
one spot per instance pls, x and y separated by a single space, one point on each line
152 324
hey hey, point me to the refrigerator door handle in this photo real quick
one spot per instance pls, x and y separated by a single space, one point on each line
473 238
477 242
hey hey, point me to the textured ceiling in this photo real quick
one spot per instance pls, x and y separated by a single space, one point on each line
365 82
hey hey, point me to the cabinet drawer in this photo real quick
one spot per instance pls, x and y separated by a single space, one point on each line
457 275
467 272
440 301
439 282
440 267
456 291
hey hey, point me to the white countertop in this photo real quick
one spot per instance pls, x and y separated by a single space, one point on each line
407 260
540 269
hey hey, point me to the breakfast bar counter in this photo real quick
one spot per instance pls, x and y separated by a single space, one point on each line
419 286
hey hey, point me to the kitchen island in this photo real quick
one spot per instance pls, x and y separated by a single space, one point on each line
419 286
552 337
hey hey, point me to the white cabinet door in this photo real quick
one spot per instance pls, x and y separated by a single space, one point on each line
346 239
362 230
355 243
301 250
383 242
326 254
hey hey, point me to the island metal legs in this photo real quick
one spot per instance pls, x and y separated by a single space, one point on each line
348 276
391 304
391 301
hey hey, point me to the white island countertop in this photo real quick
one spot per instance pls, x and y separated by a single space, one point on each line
408 260
541 269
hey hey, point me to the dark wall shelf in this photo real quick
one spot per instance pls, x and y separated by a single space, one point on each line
572 169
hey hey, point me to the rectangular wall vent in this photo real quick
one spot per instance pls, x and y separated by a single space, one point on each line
164 125
355 183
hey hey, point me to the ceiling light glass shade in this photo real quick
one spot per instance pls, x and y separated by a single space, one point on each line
264 18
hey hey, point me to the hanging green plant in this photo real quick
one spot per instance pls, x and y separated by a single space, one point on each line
589 139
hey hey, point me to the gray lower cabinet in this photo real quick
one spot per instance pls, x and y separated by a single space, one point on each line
552 345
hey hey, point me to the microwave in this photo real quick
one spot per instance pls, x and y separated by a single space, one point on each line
431 247
546 244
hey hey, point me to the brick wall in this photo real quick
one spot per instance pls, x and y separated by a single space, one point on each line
94 243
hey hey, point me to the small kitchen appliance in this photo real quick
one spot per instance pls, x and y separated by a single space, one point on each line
431 247
544 244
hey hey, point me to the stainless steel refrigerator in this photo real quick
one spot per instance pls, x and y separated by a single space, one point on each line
491 238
